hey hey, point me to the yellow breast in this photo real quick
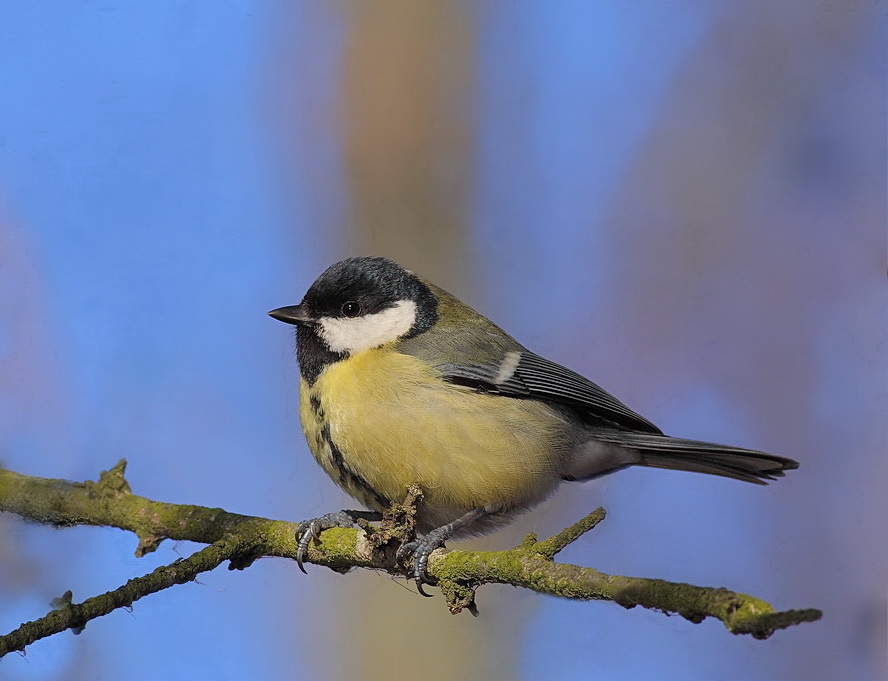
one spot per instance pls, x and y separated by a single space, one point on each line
381 420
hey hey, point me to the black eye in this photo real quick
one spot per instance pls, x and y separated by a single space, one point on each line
351 309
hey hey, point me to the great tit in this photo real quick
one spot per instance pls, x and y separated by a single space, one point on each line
402 384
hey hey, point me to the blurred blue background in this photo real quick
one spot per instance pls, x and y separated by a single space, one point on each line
684 201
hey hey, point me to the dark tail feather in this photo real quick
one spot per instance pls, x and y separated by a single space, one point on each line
661 451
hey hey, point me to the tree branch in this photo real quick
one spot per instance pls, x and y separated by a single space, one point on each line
241 539
74 616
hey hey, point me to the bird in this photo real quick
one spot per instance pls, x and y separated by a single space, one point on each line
403 384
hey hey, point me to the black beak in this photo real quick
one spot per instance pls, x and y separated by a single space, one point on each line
292 314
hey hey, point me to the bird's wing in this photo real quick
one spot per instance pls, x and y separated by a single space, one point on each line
523 374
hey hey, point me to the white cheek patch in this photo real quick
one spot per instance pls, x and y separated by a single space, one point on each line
353 334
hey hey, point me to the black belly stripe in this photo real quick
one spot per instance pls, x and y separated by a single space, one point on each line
322 436
315 403
347 477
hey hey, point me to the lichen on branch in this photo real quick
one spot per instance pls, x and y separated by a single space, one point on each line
242 539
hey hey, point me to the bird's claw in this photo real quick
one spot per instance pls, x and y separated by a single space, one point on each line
311 529
304 534
420 549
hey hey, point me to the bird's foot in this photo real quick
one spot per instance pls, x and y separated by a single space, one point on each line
311 529
420 549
